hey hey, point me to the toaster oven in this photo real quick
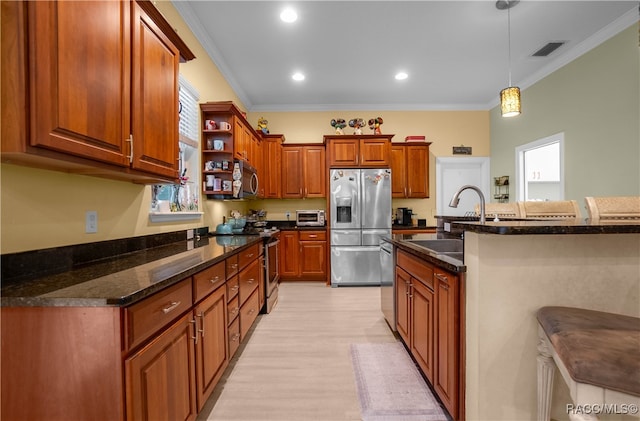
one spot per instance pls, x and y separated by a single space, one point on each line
310 218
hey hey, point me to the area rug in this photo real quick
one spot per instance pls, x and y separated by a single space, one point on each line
389 386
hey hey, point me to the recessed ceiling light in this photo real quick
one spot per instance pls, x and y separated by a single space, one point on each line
288 15
401 76
297 76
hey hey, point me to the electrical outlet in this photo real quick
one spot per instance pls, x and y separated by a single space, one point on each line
288 215
91 222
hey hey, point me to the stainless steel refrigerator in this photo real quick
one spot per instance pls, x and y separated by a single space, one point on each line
360 206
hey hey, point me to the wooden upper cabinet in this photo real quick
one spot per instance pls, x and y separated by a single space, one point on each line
410 170
80 78
313 169
398 170
303 171
271 179
155 98
97 86
368 151
291 172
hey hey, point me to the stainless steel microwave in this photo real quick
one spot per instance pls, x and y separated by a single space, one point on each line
310 218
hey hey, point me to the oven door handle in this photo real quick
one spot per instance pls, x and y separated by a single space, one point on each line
273 243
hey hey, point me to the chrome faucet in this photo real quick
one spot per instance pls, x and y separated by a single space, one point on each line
456 199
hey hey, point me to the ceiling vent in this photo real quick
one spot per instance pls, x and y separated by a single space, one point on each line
548 49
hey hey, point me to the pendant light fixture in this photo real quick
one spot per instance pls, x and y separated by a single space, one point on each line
509 97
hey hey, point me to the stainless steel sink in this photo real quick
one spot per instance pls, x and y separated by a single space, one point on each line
440 246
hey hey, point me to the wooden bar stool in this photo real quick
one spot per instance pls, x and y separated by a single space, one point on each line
598 355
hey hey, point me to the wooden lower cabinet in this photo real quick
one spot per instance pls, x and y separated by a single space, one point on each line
422 327
428 306
212 356
157 359
446 381
160 378
303 255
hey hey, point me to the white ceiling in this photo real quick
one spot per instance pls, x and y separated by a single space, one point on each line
455 52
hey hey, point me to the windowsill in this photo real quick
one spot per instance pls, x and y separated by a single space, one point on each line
174 216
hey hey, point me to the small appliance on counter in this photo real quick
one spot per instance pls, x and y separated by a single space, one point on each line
310 218
403 216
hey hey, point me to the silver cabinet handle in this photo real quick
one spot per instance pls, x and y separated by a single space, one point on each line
442 277
214 280
171 307
195 331
201 315
130 140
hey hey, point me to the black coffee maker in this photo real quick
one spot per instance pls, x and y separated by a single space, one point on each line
403 216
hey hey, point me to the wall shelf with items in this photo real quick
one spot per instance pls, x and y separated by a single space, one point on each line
217 153
501 188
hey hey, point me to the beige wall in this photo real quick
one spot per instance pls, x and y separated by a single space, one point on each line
595 101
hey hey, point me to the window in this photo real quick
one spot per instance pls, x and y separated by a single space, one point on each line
540 169
166 198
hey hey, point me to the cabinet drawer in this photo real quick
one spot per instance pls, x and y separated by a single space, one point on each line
145 318
232 288
234 337
247 256
233 309
231 265
249 278
208 280
416 268
248 314
313 235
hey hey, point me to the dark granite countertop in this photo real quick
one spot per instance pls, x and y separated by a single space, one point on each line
396 227
549 226
446 262
127 279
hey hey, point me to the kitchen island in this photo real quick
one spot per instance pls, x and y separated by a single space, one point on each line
512 269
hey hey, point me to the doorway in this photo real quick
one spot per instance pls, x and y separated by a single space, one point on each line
540 169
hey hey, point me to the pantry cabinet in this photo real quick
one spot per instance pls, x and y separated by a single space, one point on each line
303 171
410 170
428 309
99 84
366 151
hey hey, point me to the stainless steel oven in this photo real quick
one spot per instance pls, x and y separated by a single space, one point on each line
271 272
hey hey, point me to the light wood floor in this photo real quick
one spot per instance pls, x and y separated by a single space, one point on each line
295 365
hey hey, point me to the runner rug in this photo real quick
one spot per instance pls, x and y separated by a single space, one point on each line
389 386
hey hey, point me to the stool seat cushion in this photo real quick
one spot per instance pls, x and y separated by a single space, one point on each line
597 348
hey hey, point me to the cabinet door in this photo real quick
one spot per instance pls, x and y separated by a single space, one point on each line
211 349
272 169
403 282
289 260
344 152
80 85
313 259
160 378
417 170
422 328
398 171
292 173
447 343
238 139
154 98
375 152
314 172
